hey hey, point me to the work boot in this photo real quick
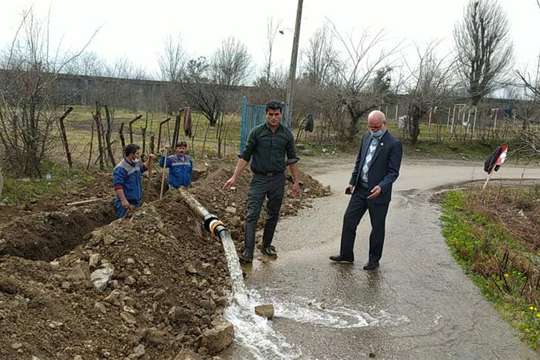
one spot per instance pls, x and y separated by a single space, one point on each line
340 259
269 251
371 265
245 258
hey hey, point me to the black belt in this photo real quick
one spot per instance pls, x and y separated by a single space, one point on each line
272 173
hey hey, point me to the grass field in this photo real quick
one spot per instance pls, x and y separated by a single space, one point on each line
435 141
493 235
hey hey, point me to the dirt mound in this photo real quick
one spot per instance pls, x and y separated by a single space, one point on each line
168 286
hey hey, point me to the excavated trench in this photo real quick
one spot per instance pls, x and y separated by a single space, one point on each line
49 235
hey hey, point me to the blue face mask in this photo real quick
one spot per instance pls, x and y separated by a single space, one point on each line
377 134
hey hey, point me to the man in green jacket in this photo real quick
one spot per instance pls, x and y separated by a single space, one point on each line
270 149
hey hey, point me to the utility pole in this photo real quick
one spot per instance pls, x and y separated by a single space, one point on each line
294 58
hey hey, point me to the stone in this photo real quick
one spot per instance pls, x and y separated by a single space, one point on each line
78 273
218 338
138 352
266 311
157 337
65 285
101 277
128 318
108 239
190 269
100 307
94 260
116 297
209 304
187 355
129 309
230 210
55 324
179 314
77 357
130 280
130 261
16 346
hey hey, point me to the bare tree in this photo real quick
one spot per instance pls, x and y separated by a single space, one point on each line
230 64
483 47
272 29
321 59
28 107
88 64
124 68
172 61
201 93
365 61
275 87
429 83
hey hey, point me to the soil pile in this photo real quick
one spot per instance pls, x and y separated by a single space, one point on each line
163 287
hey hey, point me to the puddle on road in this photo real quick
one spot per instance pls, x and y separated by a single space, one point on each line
256 335
338 316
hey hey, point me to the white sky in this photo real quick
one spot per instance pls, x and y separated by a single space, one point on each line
136 29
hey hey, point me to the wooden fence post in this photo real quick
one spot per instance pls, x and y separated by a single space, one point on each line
64 136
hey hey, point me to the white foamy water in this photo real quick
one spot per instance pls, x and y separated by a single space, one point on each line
335 316
252 332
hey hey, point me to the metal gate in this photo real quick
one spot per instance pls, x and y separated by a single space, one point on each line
253 115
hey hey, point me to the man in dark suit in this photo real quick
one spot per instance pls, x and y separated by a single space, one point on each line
376 168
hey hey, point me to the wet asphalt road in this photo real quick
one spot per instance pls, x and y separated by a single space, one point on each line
421 304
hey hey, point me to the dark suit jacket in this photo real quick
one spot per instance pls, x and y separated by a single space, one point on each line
384 168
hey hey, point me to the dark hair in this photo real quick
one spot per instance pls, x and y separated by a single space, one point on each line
274 105
181 144
131 149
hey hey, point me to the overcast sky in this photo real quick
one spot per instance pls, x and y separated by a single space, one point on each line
136 29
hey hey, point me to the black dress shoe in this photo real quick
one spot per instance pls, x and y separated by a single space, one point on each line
341 259
371 265
245 259
269 251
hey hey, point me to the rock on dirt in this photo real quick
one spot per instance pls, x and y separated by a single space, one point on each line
218 338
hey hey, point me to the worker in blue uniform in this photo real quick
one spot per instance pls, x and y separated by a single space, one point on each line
127 180
180 166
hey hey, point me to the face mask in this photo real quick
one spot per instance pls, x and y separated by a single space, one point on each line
377 134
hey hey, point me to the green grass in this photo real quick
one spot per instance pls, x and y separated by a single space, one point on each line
479 245
475 150
57 179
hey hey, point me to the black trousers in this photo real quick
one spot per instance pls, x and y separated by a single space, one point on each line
357 207
272 188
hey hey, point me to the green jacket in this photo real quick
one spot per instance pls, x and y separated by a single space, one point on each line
269 152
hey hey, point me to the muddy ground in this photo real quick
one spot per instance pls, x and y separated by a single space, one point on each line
74 285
